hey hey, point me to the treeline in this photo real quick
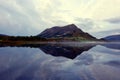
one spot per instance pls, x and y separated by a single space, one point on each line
21 38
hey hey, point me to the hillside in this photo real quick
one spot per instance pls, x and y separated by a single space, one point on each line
112 38
67 32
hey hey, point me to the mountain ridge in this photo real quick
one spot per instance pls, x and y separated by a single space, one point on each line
3 35
112 38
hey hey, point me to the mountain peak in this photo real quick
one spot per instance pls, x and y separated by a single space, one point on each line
71 25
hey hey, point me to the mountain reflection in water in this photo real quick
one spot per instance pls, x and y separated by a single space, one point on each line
68 50
77 62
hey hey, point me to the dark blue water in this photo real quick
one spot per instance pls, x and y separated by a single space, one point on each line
54 62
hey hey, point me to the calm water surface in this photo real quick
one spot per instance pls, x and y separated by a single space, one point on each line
57 62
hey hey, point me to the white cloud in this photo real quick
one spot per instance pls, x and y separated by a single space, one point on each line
30 17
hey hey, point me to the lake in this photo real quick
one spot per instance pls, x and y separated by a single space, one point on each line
73 61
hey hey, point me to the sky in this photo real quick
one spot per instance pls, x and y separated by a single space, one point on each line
30 17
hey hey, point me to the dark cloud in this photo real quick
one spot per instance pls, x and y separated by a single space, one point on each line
115 20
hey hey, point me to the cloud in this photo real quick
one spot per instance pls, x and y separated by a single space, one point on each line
85 23
30 17
17 18
102 34
95 26
99 28
115 20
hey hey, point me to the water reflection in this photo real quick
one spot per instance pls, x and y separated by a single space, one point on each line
71 51
112 45
68 52
91 62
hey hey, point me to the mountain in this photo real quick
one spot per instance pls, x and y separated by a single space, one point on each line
112 38
3 35
65 31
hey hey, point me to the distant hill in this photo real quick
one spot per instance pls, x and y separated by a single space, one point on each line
112 38
65 31
3 35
